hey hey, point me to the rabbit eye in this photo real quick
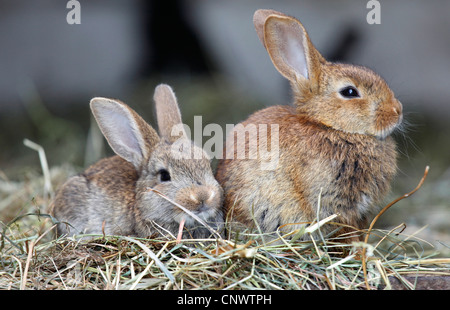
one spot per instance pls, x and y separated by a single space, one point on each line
349 92
164 175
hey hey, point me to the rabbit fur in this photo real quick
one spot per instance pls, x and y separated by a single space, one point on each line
334 141
112 196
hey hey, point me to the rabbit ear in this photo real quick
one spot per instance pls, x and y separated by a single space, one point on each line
127 133
288 45
259 19
168 114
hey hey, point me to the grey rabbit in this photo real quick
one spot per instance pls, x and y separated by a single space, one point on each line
113 196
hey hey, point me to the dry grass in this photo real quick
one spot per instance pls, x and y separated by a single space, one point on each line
32 258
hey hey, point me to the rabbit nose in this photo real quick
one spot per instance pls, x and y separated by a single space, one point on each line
398 108
202 208
203 196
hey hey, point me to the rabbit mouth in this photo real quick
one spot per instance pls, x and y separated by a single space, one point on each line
204 213
388 119
383 133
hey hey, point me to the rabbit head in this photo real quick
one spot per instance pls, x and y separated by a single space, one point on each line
345 97
169 163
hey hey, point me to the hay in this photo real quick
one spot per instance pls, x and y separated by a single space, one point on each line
31 258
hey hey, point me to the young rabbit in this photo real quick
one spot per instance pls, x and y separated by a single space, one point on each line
334 142
113 196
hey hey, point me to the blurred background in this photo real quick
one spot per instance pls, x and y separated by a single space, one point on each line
208 51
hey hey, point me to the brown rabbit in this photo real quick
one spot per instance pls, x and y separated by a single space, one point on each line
113 196
334 142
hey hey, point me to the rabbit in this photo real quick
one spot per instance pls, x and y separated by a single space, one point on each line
335 145
113 196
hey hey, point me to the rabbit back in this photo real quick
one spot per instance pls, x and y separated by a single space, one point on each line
99 200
